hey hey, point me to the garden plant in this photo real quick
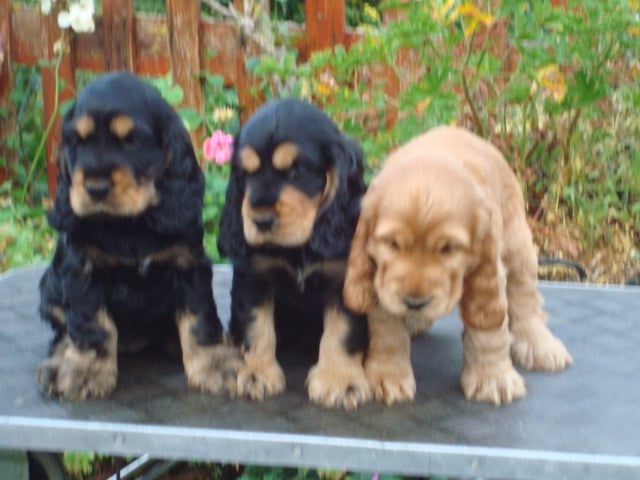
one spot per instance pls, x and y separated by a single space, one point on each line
554 84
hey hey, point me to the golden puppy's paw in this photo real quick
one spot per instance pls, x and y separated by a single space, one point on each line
497 384
76 374
538 349
260 379
332 387
391 382
213 369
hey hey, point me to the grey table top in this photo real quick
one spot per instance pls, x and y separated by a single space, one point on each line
580 423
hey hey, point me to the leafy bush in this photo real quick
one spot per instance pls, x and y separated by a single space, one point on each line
555 88
549 85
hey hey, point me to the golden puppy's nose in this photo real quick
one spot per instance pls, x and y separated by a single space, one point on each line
265 221
416 303
98 189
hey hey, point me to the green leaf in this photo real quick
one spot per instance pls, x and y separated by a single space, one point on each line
191 118
588 88
174 95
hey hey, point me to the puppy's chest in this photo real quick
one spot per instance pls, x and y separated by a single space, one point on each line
138 252
303 275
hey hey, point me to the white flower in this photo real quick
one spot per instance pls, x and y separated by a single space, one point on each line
64 19
79 17
45 7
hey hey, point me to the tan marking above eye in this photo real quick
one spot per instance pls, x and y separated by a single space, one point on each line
249 160
121 125
285 155
84 126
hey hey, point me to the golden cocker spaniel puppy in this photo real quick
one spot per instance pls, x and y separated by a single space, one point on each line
443 224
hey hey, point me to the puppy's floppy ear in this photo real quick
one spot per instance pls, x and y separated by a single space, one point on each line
179 179
337 218
231 241
359 293
481 229
61 217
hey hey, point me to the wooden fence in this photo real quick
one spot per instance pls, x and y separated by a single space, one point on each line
144 43
185 44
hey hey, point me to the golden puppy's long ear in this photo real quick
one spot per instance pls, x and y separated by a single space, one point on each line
483 303
359 293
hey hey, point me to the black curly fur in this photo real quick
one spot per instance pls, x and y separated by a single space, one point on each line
298 304
117 262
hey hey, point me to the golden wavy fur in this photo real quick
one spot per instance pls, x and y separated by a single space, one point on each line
443 224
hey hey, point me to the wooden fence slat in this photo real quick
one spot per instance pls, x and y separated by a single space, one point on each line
8 122
326 23
51 105
246 80
150 44
118 35
183 20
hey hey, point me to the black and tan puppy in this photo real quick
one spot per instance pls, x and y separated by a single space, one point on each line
129 264
291 209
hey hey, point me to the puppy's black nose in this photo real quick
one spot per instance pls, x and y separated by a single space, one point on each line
98 189
264 222
415 303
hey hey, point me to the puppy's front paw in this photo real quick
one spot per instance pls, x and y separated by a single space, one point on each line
76 374
496 383
260 379
213 369
391 381
538 349
333 387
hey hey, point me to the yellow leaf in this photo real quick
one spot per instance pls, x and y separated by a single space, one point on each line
552 82
470 10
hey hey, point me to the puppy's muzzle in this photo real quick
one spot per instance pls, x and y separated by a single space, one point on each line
98 188
416 303
265 221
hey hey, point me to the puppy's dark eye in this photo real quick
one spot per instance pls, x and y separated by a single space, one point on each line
128 141
294 171
391 243
448 248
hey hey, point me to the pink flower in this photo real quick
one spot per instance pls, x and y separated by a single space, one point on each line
218 147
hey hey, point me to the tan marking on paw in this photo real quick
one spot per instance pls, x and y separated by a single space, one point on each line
261 376
338 379
209 368
488 374
77 374
388 361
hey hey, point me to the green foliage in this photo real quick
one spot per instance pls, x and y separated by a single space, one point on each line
79 464
25 237
563 113
218 96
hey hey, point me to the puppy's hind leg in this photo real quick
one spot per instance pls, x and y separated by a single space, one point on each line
533 345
